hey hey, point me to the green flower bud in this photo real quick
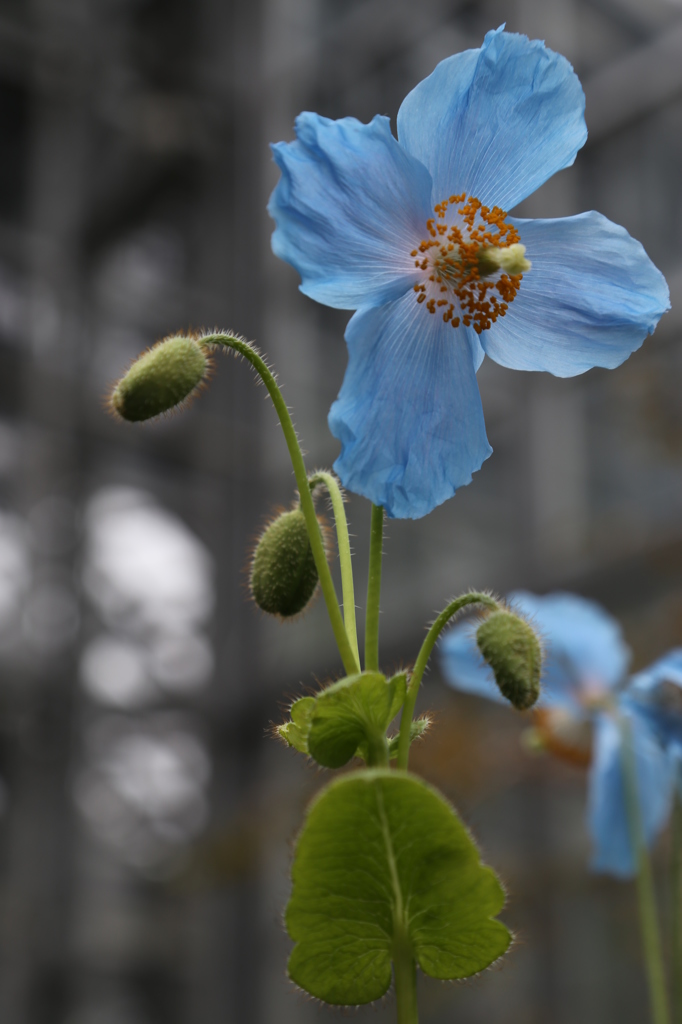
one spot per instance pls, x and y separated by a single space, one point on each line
284 576
162 378
511 648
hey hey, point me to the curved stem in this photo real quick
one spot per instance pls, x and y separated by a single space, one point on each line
307 505
329 481
648 914
376 541
422 659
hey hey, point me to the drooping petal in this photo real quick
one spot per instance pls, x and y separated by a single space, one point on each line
657 691
409 413
350 207
496 122
463 665
590 298
584 646
607 809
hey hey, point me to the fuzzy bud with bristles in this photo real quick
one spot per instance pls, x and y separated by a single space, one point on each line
284 576
161 379
510 646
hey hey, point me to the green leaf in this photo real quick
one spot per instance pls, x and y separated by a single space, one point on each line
418 727
347 718
295 732
383 860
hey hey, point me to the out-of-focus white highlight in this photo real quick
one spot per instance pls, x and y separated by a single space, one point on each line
142 788
113 672
143 792
143 565
181 663
15 572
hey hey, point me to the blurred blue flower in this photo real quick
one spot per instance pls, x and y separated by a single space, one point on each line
585 700
412 233
657 691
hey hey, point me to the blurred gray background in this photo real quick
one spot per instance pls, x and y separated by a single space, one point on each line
146 816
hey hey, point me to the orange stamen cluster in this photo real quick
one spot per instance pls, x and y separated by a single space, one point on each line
452 254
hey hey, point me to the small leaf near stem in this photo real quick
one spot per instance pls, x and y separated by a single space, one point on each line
347 719
422 659
307 505
418 727
329 481
376 542
648 914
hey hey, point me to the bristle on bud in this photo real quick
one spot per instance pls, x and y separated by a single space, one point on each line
161 379
283 578
510 646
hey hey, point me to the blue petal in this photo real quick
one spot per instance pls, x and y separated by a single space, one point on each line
667 669
584 646
464 667
496 122
656 691
607 810
675 755
409 413
590 298
350 207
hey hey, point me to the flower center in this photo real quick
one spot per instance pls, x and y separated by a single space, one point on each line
473 263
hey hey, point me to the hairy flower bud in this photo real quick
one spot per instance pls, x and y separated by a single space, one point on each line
511 648
284 576
161 378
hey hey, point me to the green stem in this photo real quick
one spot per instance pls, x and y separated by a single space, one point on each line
677 908
404 967
345 561
646 895
422 659
307 504
405 974
376 541
377 751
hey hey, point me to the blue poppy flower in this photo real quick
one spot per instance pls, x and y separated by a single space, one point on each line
412 233
585 702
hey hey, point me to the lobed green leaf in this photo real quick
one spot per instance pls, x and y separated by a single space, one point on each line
382 860
346 719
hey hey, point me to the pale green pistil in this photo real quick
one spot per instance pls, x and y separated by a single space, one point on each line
511 260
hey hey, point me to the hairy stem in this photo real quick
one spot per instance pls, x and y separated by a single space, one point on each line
329 481
377 752
646 895
307 504
422 660
376 541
